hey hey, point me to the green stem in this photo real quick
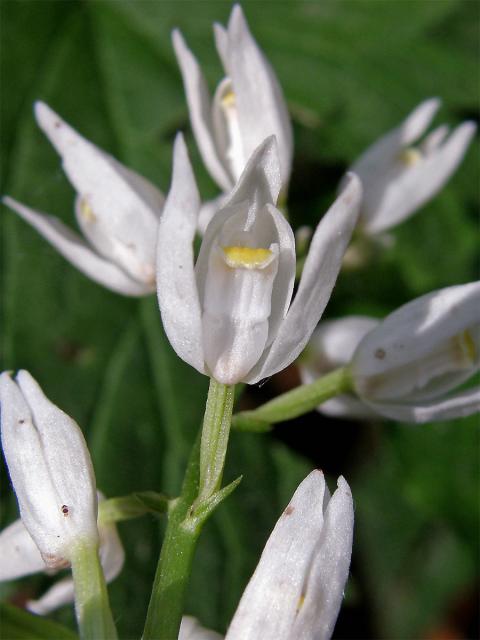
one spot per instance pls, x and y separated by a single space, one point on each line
185 519
92 607
296 402
215 433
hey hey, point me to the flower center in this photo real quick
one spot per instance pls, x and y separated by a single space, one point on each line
467 349
86 211
247 257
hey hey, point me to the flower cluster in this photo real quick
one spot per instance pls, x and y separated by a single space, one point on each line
230 312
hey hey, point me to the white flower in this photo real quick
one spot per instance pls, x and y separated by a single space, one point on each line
116 209
21 557
231 316
248 105
399 178
406 367
332 345
297 588
50 469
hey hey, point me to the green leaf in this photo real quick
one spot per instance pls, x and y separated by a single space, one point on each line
18 624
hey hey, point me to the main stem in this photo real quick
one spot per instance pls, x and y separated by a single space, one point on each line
92 607
202 479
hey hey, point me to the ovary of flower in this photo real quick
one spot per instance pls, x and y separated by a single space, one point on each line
407 367
231 317
400 172
248 105
116 209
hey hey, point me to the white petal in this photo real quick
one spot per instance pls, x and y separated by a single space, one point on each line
68 461
347 406
20 554
414 186
191 629
334 342
261 106
320 272
112 554
269 604
208 210
199 105
38 501
456 406
59 594
329 571
176 285
118 209
221 42
72 247
371 165
415 329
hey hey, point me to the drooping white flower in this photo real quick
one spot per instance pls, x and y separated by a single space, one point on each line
400 172
248 105
407 367
116 209
297 588
21 557
332 345
50 469
231 317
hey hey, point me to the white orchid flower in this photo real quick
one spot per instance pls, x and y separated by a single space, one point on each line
297 588
406 367
332 345
116 209
21 557
50 469
231 317
248 105
398 177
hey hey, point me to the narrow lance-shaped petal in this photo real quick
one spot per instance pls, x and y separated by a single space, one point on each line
50 469
399 178
297 588
407 367
116 209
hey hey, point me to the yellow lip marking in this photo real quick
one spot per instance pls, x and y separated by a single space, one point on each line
86 211
300 602
247 257
228 99
467 346
410 156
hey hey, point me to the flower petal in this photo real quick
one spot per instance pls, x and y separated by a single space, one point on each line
416 328
191 629
320 272
72 247
20 554
176 285
270 602
68 460
261 106
323 592
59 594
456 406
413 187
199 104
118 210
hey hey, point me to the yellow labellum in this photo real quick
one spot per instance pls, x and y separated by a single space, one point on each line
410 156
228 99
247 257
86 211
467 346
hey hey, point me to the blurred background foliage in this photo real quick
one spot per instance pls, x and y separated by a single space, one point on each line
350 70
